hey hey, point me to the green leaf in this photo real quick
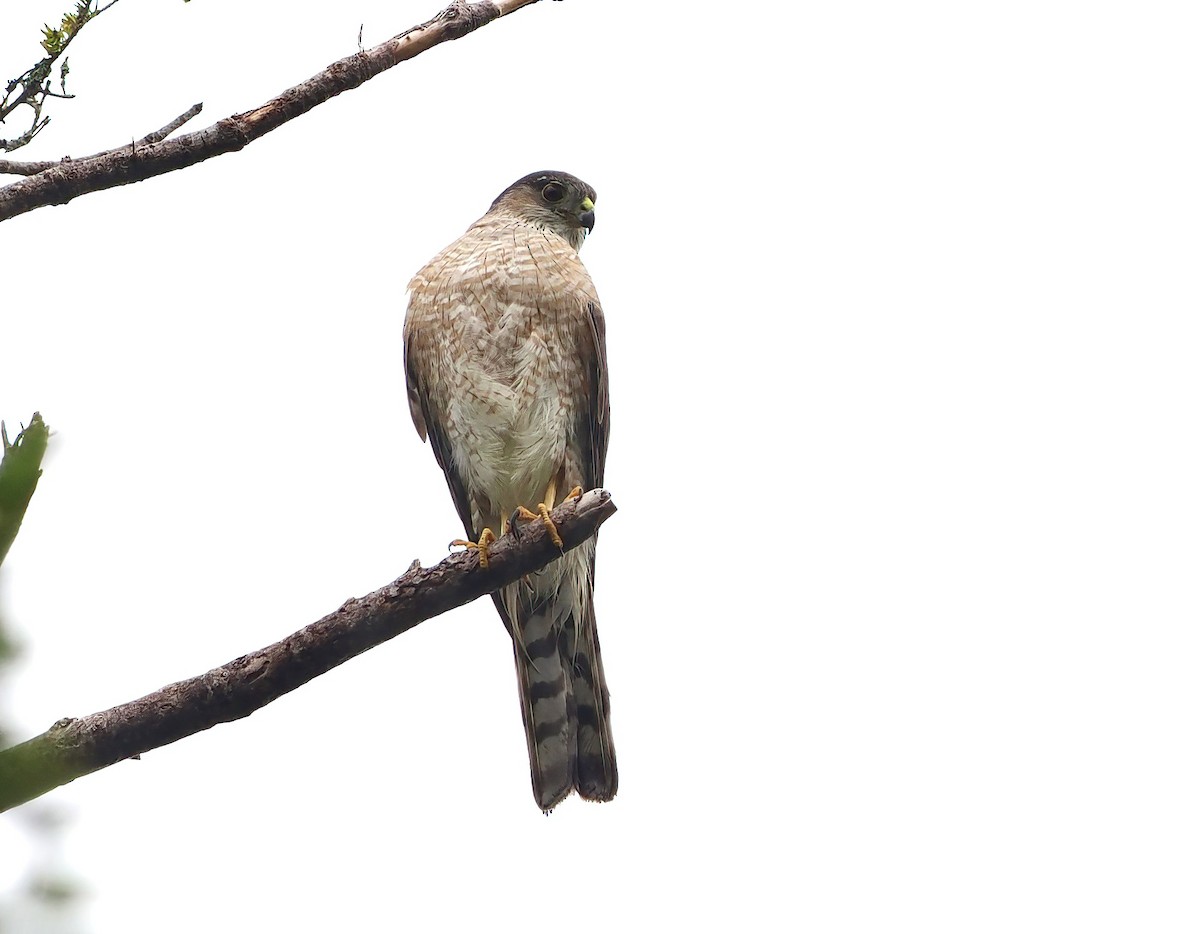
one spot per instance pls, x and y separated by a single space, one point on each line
20 469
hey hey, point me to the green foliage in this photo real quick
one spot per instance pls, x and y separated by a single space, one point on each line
20 469
55 39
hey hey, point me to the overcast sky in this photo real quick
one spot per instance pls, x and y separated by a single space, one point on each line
899 607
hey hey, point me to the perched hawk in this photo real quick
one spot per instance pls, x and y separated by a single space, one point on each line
504 356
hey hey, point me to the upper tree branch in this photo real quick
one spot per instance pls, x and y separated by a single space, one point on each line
70 178
72 748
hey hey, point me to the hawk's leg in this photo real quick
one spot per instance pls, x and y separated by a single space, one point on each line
544 508
486 537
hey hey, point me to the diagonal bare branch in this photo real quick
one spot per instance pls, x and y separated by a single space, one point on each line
72 748
71 178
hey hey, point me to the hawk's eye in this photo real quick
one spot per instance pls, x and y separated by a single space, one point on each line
553 192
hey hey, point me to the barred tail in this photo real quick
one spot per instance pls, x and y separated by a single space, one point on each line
564 700
595 762
545 696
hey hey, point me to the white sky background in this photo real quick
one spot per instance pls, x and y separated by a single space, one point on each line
899 608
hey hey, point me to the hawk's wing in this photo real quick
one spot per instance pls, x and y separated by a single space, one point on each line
429 420
594 427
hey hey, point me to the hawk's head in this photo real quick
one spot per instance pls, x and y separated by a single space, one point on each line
561 202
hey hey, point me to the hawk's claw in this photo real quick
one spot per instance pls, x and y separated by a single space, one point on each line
543 514
486 537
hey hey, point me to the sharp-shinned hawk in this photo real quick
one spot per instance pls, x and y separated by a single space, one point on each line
505 363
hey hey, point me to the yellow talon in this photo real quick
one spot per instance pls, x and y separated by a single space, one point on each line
549 524
486 537
542 514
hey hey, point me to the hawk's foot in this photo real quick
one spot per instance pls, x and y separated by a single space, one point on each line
486 537
543 514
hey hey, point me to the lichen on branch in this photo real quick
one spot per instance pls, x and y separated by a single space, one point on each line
33 88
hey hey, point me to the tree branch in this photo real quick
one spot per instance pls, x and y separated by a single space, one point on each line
13 167
72 748
70 178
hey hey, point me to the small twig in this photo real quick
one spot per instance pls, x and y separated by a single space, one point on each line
163 132
72 748
10 167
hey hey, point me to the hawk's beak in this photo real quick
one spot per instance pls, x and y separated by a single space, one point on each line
588 216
